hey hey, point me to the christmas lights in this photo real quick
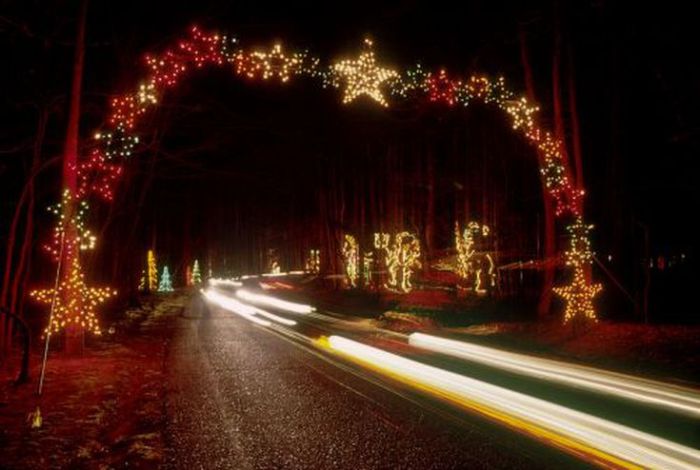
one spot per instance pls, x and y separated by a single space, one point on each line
74 302
151 271
579 297
142 281
363 76
468 266
579 294
402 257
367 266
275 63
442 89
99 173
196 274
166 284
351 259
313 261
98 176
579 252
83 238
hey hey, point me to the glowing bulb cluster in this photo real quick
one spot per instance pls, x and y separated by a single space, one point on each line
401 256
82 238
166 284
74 302
151 271
313 261
442 89
265 65
196 273
96 175
351 259
364 76
481 269
579 297
367 267
579 294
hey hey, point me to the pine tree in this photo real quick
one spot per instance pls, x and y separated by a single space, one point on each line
166 284
196 274
152 272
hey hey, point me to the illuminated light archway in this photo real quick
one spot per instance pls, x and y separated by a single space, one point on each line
360 76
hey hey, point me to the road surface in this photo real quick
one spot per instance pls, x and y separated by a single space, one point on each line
243 396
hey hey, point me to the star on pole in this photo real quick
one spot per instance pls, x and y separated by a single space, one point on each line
364 76
75 302
579 297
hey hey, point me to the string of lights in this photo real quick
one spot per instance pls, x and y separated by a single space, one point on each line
351 259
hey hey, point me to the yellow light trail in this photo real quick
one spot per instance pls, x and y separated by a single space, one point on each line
586 436
679 399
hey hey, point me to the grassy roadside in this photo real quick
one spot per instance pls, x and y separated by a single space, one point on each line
102 410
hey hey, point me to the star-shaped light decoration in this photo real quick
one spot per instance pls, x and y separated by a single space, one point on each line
364 76
75 302
441 88
579 297
579 252
270 64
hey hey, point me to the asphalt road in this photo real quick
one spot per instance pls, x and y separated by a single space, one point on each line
241 396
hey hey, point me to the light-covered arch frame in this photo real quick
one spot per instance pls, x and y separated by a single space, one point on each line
99 172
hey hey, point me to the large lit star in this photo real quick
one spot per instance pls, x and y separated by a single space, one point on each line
579 297
75 302
363 76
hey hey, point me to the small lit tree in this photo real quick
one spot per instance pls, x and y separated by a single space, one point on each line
152 271
166 284
196 273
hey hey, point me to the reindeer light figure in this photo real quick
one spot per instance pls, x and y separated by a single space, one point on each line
402 257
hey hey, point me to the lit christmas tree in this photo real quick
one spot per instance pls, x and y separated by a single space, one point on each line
196 274
152 272
166 284
142 281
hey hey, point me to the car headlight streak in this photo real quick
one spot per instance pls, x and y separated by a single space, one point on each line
577 432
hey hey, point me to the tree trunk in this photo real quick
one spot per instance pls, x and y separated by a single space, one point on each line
74 333
575 128
430 209
545 301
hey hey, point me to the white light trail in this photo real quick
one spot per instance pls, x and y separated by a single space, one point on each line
274 302
277 318
682 400
214 282
233 305
582 434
